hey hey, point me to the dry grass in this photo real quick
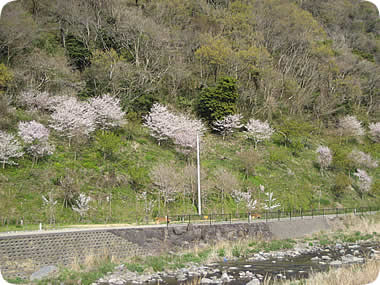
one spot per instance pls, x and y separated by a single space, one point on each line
363 224
352 275
92 260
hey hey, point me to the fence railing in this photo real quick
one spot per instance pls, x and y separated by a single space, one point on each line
212 218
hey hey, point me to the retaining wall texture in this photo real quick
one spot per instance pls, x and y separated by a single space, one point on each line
22 255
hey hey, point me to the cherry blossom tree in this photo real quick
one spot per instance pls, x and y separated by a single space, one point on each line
270 202
364 180
42 101
159 121
108 112
227 125
82 204
165 125
374 131
362 159
258 131
244 197
184 132
35 99
9 148
72 118
35 136
350 127
324 157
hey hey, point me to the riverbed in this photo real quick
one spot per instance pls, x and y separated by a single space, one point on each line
297 263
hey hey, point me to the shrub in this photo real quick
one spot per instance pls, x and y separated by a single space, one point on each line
215 103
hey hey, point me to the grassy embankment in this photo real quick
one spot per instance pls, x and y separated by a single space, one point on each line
291 173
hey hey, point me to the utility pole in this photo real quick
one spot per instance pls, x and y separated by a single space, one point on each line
199 179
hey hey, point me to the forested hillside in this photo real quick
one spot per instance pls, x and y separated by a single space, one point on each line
101 102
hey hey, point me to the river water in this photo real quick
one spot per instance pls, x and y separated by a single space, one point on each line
241 271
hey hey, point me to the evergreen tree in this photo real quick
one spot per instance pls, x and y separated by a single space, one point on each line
214 103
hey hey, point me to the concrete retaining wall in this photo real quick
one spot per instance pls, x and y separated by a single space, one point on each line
21 255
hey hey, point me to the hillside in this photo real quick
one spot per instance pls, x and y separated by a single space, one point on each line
310 69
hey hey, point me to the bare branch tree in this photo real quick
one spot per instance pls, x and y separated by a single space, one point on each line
374 131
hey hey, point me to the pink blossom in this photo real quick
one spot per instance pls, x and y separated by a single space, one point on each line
350 126
9 148
73 118
374 131
227 125
108 111
258 130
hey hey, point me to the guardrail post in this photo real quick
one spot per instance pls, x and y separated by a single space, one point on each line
336 210
323 212
301 213
290 214
189 219
312 213
266 216
210 219
279 214
167 221
230 218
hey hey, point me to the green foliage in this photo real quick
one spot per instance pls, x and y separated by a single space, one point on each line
79 54
6 76
342 181
107 143
216 102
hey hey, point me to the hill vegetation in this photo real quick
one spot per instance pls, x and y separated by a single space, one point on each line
286 95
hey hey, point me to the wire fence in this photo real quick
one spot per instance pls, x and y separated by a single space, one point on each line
248 217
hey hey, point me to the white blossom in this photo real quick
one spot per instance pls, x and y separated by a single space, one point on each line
362 159
350 126
324 156
244 197
108 111
9 148
159 122
270 202
374 131
82 204
164 125
227 125
364 180
73 118
35 99
258 130
35 136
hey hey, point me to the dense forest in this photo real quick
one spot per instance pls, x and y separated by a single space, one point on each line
286 95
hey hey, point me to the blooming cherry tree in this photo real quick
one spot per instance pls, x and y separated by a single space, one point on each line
270 202
351 127
108 112
73 118
258 131
9 148
159 121
244 197
35 136
324 157
364 180
82 204
227 125
363 159
164 125
374 131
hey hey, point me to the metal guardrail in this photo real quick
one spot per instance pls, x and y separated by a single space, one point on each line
211 218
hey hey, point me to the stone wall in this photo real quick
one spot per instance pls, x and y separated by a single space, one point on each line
21 255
